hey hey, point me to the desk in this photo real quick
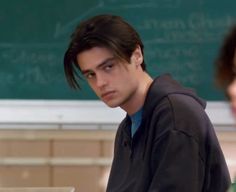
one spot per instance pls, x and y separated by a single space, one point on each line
38 189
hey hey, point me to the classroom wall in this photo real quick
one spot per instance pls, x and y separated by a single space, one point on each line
51 135
180 37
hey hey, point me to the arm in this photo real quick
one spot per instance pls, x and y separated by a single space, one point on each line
176 163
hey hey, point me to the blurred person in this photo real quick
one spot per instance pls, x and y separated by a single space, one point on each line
225 76
226 68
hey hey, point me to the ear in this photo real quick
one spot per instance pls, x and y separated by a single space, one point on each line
137 56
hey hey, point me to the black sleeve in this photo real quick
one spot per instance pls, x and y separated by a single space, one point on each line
180 167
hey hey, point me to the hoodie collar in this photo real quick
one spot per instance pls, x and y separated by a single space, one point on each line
163 86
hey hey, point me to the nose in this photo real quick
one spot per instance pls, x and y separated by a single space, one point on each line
101 80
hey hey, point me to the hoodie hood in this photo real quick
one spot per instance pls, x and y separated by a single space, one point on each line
163 86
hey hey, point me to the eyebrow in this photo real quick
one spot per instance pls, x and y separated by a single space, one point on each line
99 65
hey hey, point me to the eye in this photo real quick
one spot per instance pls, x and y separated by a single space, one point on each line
89 75
108 67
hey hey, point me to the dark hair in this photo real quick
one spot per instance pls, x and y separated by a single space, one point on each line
107 31
225 72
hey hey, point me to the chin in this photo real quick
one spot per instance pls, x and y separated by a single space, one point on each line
112 104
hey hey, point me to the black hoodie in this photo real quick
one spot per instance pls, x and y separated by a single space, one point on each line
175 149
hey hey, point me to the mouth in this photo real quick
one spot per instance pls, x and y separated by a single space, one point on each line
107 95
233 109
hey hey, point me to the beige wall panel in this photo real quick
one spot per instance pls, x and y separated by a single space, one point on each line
84 179
23 148
76 148
107 148
4 145
229 150
105 171
22 176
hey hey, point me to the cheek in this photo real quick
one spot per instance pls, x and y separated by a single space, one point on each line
232 96
232 89
128 84
92 86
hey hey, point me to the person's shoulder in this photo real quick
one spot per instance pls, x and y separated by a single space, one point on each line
189 115
183 103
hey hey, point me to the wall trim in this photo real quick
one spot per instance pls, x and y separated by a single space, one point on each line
90 114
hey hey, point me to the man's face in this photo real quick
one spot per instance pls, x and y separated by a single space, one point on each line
232 96
114 81
231 90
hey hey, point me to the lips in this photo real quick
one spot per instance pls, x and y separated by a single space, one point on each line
233 109
107 95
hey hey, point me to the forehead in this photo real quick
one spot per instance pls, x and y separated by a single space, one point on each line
92 57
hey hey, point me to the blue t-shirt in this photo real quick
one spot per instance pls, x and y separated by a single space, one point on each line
135 121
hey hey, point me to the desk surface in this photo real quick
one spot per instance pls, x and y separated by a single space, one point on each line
38 189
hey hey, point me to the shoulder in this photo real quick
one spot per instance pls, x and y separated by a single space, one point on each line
182 113
187 110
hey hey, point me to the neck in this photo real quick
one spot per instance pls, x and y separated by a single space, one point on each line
137 99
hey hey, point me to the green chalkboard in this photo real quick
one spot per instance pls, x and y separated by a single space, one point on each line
181 37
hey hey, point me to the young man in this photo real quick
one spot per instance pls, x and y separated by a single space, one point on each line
166 143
